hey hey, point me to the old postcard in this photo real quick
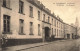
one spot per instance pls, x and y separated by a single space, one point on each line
39 25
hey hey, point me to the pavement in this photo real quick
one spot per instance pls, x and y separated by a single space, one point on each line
68 45
0 49
30 46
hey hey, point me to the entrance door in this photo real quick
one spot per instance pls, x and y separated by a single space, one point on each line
72 36
46 33
68 36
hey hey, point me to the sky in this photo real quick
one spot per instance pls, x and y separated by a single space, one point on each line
67 10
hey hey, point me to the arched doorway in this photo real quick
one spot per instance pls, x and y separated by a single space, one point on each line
47 32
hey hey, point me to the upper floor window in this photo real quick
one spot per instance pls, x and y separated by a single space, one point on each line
52 31
31 11
6 23
6 3
39 29
21 6
43 17
61 25
21 26
55 32
31 28
38 15
52 21
48 19
55 22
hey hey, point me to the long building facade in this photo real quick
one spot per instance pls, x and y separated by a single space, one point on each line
70 31
29 21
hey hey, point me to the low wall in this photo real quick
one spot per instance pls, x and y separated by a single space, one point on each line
14 42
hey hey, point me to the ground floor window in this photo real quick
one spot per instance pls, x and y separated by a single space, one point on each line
52 31
68 36
39 29
6 23
21 26
31 28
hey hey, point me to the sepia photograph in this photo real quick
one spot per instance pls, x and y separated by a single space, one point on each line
39 25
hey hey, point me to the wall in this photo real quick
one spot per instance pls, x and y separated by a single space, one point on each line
15 16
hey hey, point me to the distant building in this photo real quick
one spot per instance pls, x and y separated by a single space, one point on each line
70 31
77 26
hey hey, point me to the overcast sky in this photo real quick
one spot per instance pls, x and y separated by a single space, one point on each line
68 10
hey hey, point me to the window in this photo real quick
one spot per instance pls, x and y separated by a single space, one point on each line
61 26
21 26
48 19
55 22
6 23
52 21
21 6
59 32
43 17
31 28
38 15
31 11
39 29
6 3
55 31
52 31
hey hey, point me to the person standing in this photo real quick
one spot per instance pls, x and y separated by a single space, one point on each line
4 41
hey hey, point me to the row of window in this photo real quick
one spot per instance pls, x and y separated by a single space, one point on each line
6 23
58 24
6 20
6 3
56 31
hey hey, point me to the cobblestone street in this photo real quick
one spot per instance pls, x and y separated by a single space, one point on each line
60 45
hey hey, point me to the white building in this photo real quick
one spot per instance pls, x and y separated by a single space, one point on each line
27 21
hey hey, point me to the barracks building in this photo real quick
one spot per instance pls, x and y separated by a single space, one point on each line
27 21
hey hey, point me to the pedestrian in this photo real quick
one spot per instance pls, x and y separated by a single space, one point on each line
4 41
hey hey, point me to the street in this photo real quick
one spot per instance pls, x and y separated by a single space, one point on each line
57 46
60 45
